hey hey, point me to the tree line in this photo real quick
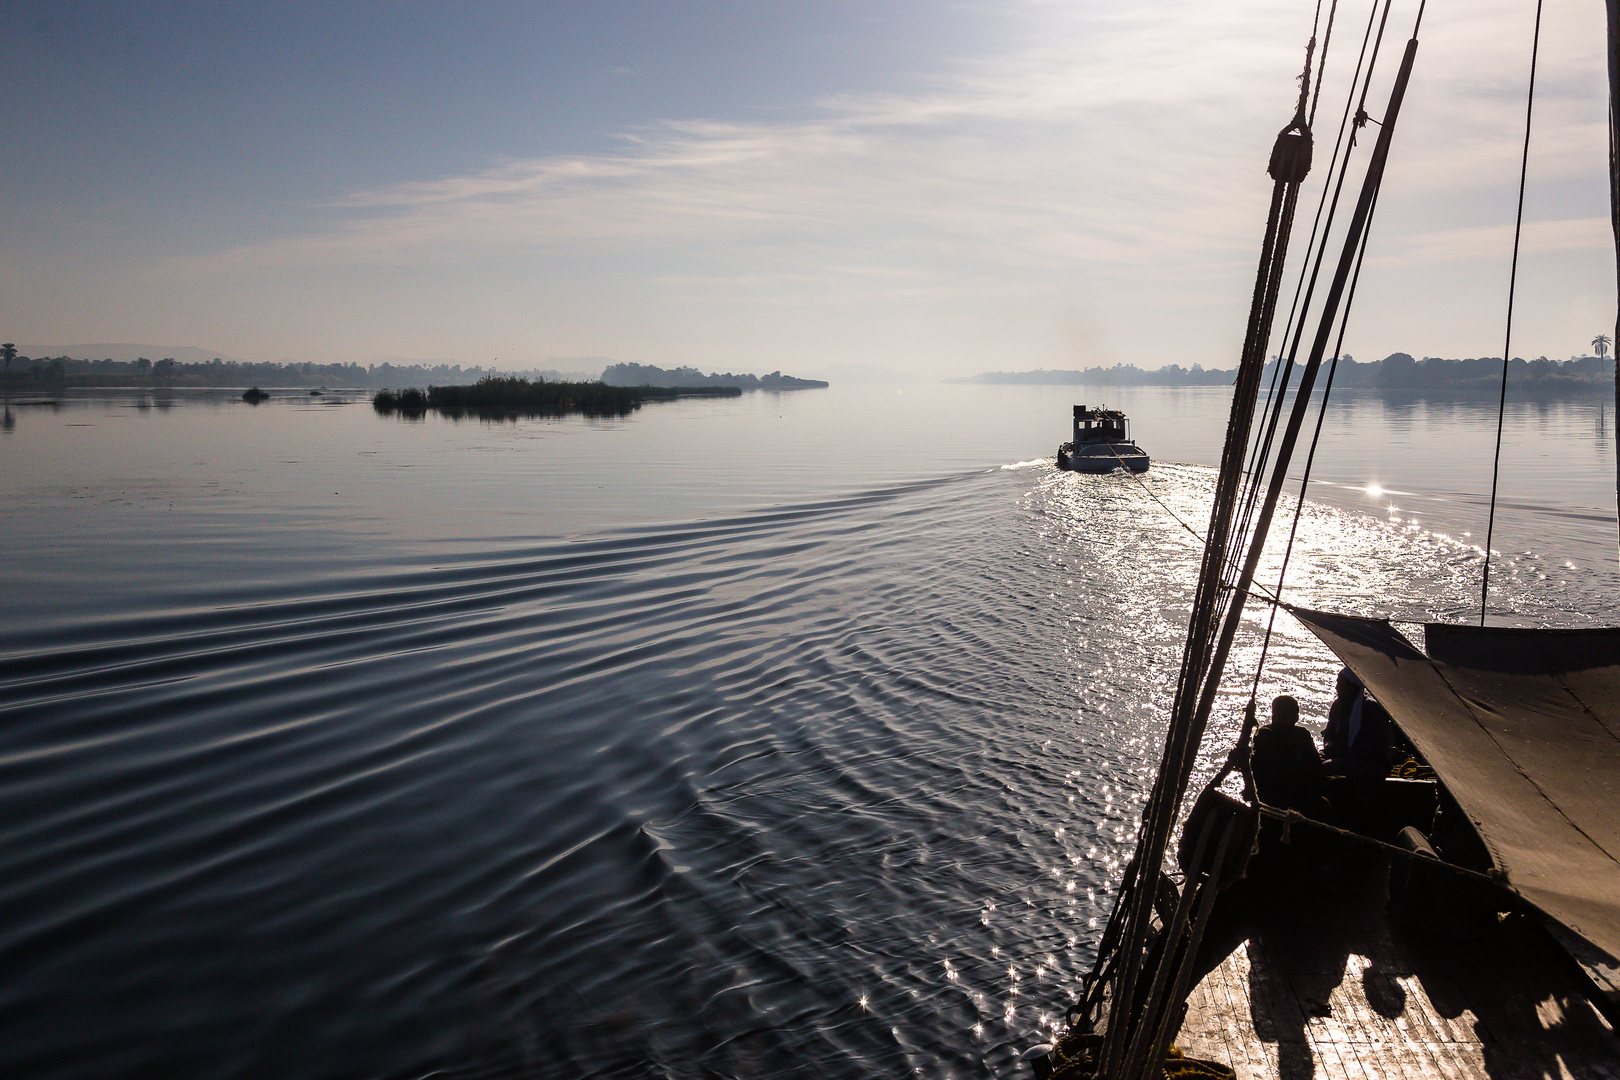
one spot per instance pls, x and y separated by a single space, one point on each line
1397 371
61 371
1402 371
1118 375
649 375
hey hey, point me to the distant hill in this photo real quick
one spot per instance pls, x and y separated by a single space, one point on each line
648 375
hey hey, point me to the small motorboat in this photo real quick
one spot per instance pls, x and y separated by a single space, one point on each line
1102 443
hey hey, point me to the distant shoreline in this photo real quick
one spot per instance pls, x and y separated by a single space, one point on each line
62 372
1396 372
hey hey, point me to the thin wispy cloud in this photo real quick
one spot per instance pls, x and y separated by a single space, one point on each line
1053 155
1109 161
1110 149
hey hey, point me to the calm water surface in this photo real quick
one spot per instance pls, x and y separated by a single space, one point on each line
787 735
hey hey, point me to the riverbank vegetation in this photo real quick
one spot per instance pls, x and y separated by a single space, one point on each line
25 372
648 375
507 396
143 373
1397 371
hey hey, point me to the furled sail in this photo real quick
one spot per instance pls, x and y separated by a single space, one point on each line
1523 728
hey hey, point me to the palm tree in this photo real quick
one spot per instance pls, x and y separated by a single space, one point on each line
1601 344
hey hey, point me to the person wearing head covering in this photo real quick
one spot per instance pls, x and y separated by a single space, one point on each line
1355 743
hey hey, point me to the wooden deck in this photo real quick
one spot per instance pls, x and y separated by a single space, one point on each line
1310 980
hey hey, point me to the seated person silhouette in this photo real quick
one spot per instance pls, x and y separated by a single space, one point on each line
1288 775
1356 753
1355 743
1287 770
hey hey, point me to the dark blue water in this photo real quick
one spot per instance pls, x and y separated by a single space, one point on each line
777 738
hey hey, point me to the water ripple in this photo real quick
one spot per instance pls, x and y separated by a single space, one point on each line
834 788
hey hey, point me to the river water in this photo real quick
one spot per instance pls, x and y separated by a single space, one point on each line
794 734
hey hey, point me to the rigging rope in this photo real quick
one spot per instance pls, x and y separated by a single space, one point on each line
1290 818
1177 518
1310 461
1321 66
1290 161
1204 657
1236 756
1513 277
1283 369
1356 233
1304 484
1240 746
1614 204
1126 1042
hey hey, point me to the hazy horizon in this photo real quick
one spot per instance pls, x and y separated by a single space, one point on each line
936 191
592 367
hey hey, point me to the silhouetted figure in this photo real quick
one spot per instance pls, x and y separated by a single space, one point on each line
1355 743
1356 754
1287 770
1285 765
1287 774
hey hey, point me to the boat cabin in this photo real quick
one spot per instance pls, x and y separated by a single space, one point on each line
1101 424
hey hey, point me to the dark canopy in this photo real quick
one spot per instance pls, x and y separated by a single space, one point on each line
1523 728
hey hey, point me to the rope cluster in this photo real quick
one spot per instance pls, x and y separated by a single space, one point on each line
1075 1058
1153 981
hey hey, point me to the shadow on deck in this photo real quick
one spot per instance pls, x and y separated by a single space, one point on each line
1306 978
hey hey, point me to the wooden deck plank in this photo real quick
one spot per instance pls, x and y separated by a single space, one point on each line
1259 1058
1419 1061
1202 1034
1219 1025
1209 1025
1418 1023
1330 1063
1397 1007
1455 1062
1385 1060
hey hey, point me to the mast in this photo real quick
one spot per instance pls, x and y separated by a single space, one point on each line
1142 975
1614 211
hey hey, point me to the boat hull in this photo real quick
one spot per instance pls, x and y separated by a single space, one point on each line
1102 458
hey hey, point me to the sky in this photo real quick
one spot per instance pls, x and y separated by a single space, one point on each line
937 188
